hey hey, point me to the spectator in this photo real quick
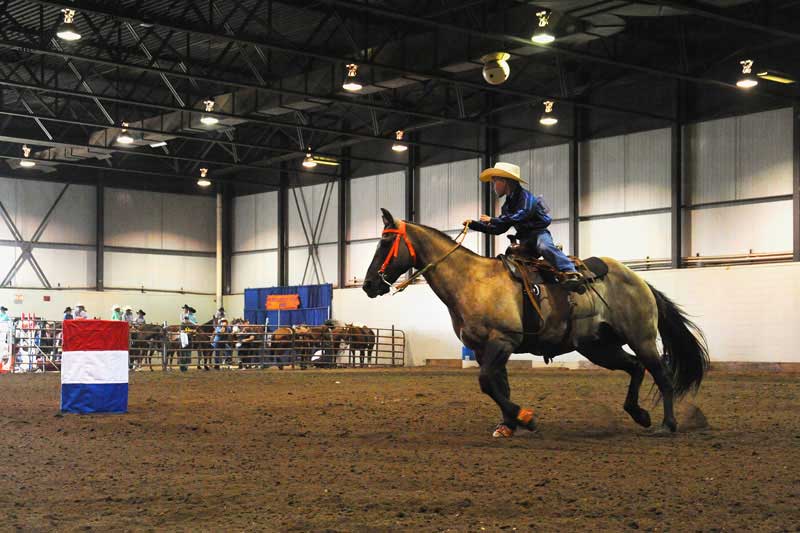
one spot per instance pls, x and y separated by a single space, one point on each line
128 316
184 313
139 320
219 315
80 312
67 313
221 343
4 314
188 317
116 314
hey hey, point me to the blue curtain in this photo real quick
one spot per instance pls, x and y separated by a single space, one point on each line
315 306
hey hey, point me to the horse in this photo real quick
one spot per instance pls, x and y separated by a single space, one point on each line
486 308
359 339
145 340
282 345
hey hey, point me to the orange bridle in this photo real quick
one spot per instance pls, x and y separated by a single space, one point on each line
400 233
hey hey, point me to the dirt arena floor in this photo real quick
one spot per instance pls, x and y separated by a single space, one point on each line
403 450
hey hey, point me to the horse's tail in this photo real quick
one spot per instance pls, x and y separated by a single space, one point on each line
685 349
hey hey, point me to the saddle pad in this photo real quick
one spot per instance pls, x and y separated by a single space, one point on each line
596 266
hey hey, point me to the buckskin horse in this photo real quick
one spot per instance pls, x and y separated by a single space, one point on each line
486 307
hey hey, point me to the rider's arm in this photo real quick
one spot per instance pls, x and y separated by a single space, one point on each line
520 215
495 227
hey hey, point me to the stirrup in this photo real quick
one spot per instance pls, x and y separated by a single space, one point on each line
502 431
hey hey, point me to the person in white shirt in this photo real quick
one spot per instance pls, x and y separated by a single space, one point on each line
128 316
80 312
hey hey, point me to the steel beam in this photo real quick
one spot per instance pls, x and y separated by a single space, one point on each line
574 181
283 228
100 235
344 210
796 182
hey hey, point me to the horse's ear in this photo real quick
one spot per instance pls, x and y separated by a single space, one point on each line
388 219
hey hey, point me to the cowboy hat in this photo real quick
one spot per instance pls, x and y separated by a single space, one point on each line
502 170
192 310
140 312
68 309
3 308
114 307
185 306
128 308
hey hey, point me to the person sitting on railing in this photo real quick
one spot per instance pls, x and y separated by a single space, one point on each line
4 314
187 316
80 312
220 314
116 313
128 316
140 320
221 343
67 313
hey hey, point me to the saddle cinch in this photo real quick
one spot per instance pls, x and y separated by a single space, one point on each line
548 337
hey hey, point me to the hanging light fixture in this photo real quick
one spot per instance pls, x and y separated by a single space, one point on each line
548 118
308 161
399 146
67 30
25 162
747 81
351 82
542 34
124 137
209 120
203 181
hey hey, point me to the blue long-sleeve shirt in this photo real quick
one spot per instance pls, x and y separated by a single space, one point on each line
522 210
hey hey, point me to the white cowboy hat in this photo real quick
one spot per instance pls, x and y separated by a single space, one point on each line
114 307
128 308
502 170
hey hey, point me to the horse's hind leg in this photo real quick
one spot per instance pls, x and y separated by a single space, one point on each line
648 354
614 357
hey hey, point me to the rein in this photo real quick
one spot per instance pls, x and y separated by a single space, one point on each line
393 251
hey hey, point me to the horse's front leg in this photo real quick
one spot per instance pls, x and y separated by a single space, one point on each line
493 380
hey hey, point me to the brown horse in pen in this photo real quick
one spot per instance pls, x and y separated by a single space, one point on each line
145 340
486 307
359 339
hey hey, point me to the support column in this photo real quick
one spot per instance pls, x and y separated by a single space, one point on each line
412 179
227 238
218 255
676 187
283 227
796 182
488 158
345 171
99 267
574 178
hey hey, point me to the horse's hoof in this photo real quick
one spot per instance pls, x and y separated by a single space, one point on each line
503 432
664 431
640 416
526 419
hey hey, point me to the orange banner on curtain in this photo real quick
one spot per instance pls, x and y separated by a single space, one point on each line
281 302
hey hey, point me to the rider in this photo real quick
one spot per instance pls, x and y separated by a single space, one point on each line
528 215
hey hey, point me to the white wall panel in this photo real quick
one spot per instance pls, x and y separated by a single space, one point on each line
363 207
311 213
132 218
761 227
159 272
391 195
328 263
626 238
433 194
648 170
300 270
27 202
254 270
602 177
711 161
67 268
255 222
550 177
764 154
144 219
359 257
560 232
464 193
8 254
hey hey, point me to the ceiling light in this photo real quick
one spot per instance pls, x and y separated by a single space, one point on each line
67 29
351 82
542 34
777 77
496 68
203 181
124 137
308 161
399 146
158 144
747 81
25 162
547 118
209 120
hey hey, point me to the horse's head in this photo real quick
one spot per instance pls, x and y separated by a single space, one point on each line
392 259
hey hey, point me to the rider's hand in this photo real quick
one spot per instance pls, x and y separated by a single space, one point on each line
486 219
467 222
